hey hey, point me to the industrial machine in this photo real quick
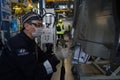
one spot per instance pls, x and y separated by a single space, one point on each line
96 30
48 37
60 6
5 19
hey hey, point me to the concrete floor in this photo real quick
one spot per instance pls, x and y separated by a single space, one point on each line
68 74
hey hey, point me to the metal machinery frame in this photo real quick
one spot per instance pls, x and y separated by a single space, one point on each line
5 19
114 75
94 68
54 3
48 34
98 38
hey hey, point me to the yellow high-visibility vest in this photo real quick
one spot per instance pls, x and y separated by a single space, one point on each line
61 26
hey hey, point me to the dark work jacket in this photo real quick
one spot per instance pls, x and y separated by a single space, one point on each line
20 63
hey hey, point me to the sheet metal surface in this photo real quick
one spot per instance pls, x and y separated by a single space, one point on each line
95 28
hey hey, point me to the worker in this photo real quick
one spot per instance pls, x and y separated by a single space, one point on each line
60 30
23 59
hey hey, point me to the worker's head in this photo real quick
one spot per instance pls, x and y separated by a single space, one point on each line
60 20
31 23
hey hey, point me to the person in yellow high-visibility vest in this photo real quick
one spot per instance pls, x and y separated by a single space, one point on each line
60 30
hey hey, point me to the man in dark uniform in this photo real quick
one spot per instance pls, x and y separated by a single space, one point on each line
23 59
